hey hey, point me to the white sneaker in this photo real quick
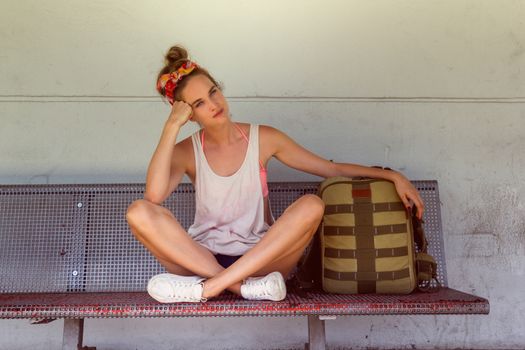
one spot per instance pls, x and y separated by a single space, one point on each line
170 288
269 287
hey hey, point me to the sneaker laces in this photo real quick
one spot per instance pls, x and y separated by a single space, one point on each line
186 290
260 288
175 289
264 288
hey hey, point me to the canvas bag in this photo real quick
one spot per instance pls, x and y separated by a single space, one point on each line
368 240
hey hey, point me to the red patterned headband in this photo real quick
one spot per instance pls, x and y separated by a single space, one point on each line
168 82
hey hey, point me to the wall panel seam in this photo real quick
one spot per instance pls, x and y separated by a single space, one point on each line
257 99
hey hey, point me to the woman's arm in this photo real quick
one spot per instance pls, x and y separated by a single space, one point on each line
295 156
167 165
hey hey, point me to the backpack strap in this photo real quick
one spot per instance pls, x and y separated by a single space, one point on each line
419 233
426 267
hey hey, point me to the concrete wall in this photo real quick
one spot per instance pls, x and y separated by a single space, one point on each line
433 88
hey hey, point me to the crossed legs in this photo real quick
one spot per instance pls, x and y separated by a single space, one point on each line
279 250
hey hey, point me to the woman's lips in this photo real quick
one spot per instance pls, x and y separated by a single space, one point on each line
218 113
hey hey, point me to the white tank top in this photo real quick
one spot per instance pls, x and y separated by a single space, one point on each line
229 215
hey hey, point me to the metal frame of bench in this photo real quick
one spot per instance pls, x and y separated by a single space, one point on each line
79 260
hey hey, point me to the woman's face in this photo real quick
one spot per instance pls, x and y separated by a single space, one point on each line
206 100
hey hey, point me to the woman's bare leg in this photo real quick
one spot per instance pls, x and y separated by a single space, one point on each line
279 249
160 232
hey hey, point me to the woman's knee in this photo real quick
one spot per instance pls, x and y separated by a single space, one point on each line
140 213
313 206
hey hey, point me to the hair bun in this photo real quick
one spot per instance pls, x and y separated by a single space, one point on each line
174 59
176 54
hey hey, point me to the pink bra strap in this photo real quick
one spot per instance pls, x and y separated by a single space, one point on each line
243 135
242 132
246 138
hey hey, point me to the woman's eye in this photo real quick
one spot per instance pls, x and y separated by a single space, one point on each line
213 91
198 104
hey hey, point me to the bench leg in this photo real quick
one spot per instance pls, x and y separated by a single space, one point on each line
73 334
316 334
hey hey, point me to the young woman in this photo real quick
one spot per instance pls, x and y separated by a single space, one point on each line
234 243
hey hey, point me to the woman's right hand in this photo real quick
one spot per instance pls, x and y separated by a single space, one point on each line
181 112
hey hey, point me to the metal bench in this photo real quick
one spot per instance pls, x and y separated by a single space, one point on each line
66 252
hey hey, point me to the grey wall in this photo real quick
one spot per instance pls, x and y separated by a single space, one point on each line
435 89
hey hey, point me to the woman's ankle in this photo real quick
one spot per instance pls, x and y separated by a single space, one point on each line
209 290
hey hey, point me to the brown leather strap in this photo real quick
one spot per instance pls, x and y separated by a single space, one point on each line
372 277
364 240
375 230
352 208
368 254
419 233
338 209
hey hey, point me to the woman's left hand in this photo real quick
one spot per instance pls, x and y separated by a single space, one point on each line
409 194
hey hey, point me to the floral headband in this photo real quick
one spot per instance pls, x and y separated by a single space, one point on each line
168 82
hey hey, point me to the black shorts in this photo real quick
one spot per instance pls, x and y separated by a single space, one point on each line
226 260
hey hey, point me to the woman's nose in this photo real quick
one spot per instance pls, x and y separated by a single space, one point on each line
213 105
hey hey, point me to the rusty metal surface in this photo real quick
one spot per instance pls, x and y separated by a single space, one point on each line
139 304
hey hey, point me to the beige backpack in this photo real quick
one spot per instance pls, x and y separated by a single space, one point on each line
367 240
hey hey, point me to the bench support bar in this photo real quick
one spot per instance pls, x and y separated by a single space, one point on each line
316 334
73 334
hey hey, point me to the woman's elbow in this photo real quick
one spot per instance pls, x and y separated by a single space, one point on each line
154 198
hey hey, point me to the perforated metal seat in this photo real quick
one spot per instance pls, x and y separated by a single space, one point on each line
78 260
